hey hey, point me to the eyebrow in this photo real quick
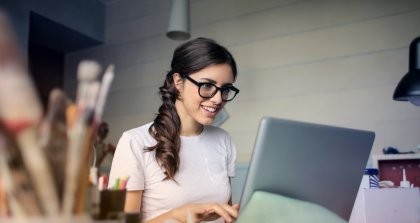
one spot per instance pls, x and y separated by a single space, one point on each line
214 82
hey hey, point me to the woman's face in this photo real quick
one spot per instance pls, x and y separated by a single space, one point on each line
192 107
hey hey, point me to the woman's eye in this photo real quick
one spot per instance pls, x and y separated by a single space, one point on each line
207 86
225 91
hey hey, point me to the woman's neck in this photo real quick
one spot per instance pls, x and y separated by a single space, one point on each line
189 126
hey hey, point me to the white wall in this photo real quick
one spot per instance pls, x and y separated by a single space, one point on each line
326 61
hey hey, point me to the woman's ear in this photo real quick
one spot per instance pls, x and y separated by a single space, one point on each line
178 81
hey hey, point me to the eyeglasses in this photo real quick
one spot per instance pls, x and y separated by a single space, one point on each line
208 90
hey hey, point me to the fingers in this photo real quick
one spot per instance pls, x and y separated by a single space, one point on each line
236 206
191 213
208 212
224 213
227 212
233 212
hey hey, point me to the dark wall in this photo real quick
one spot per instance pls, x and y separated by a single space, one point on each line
47 68
48 29
86 17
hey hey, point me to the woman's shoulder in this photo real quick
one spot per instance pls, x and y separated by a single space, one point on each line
140 132
139 129
136 139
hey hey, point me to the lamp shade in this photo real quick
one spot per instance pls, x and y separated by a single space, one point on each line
179 21
408 89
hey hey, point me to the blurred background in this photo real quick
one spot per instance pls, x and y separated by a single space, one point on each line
327 61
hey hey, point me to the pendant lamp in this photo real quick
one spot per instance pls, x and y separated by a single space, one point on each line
179 22
408 89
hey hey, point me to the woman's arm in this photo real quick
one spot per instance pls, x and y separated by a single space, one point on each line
199 212
133 201
186 213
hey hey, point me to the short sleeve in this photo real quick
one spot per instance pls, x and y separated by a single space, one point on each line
231 157
128 161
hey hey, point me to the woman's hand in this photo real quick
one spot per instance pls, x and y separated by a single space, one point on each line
193 213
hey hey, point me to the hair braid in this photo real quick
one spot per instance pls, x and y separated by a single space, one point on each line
166 129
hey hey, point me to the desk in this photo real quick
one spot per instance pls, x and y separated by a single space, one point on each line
60 219
81 219
387 205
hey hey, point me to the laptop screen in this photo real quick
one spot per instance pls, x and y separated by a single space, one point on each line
311 162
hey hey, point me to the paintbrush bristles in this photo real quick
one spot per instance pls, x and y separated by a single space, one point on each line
10 51
110 69
18 101
88 70
103 93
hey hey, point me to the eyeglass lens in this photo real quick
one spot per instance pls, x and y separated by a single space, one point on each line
208 90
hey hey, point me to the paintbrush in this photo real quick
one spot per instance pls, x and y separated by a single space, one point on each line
86 152
20 111
17 184
53 136
78 130
83 178
7 200
97 104
103 93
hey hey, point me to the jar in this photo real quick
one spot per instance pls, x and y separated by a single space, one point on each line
370 178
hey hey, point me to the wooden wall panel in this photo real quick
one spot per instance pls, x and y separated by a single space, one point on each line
327 61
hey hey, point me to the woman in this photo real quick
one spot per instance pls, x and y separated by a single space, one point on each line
179 165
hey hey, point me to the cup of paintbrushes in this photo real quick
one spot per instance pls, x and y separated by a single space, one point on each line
111 204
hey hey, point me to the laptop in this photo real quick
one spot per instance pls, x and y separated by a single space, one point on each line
312 162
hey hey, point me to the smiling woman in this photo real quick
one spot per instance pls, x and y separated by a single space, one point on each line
180 165
201 100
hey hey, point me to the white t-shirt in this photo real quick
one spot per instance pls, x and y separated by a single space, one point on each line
206 163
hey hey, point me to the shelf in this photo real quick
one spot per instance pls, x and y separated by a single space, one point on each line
391 167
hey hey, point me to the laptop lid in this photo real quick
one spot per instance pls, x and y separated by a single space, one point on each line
312 162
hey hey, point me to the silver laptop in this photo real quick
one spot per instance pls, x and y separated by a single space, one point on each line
312 162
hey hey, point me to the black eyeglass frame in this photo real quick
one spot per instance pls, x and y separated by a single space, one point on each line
221 89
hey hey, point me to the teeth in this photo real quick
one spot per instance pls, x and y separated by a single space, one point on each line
210 109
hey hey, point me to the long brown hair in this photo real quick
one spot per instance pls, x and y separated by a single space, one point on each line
188 58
